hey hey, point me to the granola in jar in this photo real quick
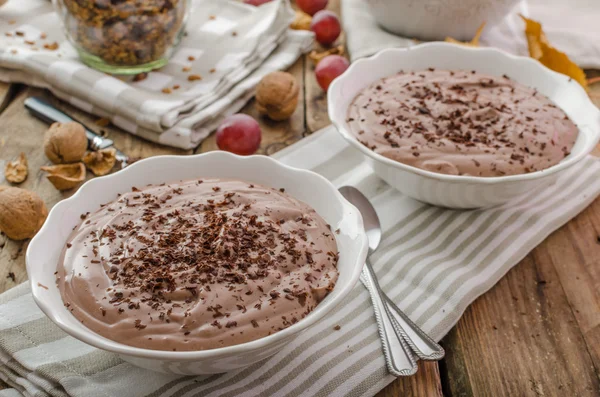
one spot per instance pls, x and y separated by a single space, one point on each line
124 36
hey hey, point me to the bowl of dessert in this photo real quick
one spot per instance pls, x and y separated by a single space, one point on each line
463 127
438 19
197 264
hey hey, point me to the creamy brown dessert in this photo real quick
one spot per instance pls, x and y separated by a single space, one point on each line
197 265
461 123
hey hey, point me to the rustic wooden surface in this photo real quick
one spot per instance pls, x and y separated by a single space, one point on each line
536 333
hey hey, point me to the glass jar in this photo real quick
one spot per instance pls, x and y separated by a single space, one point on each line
124 36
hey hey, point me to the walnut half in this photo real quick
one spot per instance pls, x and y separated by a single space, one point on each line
100 162
65 176
16 171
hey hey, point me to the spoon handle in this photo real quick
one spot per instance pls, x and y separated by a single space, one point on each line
399 359
420 343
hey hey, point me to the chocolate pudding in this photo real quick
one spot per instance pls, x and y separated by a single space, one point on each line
197 265
461 123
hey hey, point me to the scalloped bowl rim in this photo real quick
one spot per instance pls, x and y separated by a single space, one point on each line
90 337
568 162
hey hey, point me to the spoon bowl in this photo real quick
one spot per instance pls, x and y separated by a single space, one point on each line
370 218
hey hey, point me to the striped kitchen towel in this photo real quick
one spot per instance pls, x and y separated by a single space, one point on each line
230 45
433 263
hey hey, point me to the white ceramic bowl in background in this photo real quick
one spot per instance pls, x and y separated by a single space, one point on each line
438 19
456 191
45 248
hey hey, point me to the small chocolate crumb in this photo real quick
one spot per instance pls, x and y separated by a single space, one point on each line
140 76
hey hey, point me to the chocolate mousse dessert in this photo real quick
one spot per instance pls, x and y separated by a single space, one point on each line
197 265
461 123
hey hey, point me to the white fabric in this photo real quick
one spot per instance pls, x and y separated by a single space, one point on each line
571 26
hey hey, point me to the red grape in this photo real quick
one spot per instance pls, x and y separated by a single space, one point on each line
256 2
329 68
326 26
311 7
239 134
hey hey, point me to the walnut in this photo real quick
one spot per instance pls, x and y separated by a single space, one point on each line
277 95
100 162
22 213
317 56
65 176
302 21
65 142
16 171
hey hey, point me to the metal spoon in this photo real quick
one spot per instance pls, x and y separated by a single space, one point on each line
398 333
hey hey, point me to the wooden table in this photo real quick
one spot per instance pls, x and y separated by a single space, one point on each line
536 333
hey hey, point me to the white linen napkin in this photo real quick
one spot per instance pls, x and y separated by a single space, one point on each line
241 43
428 268
571 26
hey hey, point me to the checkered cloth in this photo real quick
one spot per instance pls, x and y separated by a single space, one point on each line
261 44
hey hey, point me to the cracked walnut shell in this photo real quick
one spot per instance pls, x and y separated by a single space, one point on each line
302 21
316 56
277 95
16 171
65 176
100 162
22 212
65 142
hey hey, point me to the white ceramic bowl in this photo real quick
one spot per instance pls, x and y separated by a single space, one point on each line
455 191
438 19
45 248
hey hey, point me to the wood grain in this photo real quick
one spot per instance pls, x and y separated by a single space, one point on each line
425 383
527 336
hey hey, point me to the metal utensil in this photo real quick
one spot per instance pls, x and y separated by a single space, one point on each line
48 113
393 323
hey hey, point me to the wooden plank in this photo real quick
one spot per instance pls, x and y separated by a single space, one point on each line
574 251
275 134
523 336
426 383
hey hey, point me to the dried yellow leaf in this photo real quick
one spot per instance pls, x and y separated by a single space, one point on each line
540 49
473 43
